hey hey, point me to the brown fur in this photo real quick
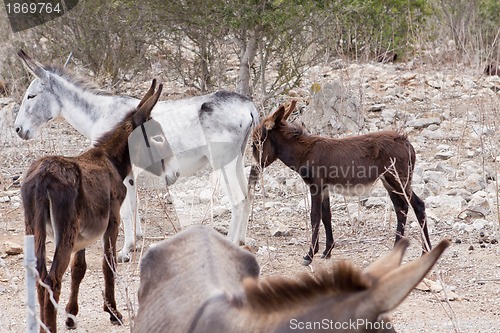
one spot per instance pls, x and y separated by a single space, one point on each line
347 164
277 293
77 200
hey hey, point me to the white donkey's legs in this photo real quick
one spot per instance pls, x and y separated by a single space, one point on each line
234 182
128 211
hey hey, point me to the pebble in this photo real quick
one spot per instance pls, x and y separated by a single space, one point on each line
12 248
376 107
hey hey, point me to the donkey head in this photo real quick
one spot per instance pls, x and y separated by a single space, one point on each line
39 104
150 149
263 149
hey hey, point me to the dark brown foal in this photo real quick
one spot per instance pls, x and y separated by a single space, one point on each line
75 201
349 166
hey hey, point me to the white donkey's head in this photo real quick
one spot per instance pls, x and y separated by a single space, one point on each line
40 104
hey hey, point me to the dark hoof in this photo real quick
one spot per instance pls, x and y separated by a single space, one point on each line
326 256
307 260
116 320
70 324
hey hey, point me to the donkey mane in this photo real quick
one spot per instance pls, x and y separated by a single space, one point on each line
277 293
76 79
294 130
114 138
116 131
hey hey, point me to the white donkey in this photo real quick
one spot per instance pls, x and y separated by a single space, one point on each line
199 130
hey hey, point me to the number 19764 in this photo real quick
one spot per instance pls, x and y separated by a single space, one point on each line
33 8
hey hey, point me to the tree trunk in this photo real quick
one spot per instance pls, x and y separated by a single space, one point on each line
248 52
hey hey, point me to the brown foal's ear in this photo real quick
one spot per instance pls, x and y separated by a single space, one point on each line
273 120
149 93
144 111
290 109
34 66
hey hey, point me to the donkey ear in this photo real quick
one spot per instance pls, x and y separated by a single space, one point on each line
144 111
34 66
386 263
391 289
290 109
150 93
275 118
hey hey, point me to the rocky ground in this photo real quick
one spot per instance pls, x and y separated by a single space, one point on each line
450 115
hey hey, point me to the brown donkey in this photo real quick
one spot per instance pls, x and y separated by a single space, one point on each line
349 166
217 290
75 201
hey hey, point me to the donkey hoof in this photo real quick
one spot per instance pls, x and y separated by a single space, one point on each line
116 320
70 324
123 257
326 256
307 260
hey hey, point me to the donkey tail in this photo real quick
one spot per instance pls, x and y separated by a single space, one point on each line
36 215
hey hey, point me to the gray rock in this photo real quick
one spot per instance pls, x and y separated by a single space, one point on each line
376 107
437 84
438 134
478 206
285 211
436 177
444 155
280 230
423 122
220 210
273 204
445 206
474 183
372 202
461 227
388 115
479 224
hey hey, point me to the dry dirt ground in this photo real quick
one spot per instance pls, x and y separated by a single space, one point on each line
470 268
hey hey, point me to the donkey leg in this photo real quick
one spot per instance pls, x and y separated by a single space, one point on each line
53 280
401 208
109 265
235 185
41 266
315 220
78 268
419 208
326 217
128 211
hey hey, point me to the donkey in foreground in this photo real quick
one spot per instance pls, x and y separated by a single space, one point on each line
217 290
193 128
350 166
75 201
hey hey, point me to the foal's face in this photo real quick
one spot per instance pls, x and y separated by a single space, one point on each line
263 149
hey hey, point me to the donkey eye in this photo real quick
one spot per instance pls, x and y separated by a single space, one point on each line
158 138
31 96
